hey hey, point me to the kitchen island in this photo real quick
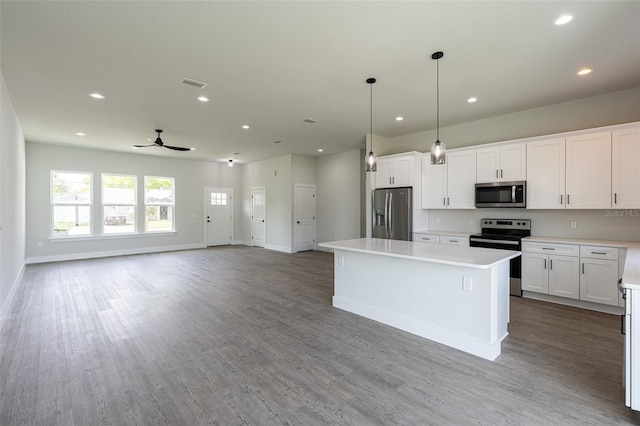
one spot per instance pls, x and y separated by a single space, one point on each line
454 295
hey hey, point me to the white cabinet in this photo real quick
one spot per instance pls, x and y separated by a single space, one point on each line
588 172
599 275
395 170
546 174
551 269
450 185
446 239
626 168
441 239
426 238
503 163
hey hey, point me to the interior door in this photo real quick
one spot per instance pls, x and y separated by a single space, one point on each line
258 216
219 216
305 217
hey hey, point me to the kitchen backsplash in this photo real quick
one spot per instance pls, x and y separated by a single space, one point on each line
611 224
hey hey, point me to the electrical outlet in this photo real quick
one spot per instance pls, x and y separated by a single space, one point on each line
574 225
437 220
467 284
341 260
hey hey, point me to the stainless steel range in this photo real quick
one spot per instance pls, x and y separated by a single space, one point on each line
505 234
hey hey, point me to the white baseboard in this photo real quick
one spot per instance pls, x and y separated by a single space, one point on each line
615 310
4 310
283 249
325 249
110 253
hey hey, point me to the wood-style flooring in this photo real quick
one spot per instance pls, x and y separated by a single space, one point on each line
247 336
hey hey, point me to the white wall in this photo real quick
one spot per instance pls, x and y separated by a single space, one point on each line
191 177
339 192
12 201
596 111
276 175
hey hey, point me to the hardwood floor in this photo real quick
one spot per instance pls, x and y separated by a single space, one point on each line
239 335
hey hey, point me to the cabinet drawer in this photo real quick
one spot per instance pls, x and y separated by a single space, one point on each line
596 252
463 241
424 238
551 248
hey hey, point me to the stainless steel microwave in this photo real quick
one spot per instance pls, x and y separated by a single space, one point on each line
501 194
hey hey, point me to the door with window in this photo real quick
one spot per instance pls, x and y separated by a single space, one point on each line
219 216
304 227
258 216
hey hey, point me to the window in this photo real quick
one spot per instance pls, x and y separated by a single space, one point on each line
159 203
218 199
70 203
118 204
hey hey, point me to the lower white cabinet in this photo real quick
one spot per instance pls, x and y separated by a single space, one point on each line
441 239
426 238
552 274
587 273
445 239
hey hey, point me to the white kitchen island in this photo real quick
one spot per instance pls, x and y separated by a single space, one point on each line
454 295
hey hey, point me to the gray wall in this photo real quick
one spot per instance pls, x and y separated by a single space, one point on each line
12 201
191 177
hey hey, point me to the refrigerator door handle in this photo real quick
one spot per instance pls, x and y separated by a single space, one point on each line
386 214
390 221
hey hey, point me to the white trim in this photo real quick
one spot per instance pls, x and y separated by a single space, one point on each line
110 253
607 309
111 236
283 249
4 310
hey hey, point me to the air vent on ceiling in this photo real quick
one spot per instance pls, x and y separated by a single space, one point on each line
194 83
310 120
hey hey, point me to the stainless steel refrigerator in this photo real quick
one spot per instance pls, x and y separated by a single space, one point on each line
393 213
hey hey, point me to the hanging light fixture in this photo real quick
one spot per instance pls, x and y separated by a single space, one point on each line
370 161
438 154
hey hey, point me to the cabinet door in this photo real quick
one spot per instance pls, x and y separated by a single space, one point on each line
488 165
545 174
383 175
626 169
461 179
513 162
564 279
403 171
462 241
599 280
535 276
434 184
588 175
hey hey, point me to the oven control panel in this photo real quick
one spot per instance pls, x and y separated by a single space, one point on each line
524 224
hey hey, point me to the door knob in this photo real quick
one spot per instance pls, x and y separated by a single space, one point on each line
298 222
208 220
263 220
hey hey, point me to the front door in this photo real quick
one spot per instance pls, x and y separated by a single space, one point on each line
305 217
258 215
219 216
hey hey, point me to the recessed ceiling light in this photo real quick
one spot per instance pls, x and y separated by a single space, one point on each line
245 126
203 99
96 95
399 118
585 71
472 100
320 150
564 19
80 134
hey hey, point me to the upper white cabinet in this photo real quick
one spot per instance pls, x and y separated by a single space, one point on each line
503 163
395 170
626 168
545 174
450 185
588 172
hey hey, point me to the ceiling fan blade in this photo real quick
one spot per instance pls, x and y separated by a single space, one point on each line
144 146
177 148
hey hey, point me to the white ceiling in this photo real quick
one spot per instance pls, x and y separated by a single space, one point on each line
272 64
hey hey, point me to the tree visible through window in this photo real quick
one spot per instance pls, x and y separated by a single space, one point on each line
70 203
159 203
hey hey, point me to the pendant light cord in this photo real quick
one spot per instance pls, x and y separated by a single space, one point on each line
371 114
438 100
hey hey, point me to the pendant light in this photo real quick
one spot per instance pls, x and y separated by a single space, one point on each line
370 160
438 154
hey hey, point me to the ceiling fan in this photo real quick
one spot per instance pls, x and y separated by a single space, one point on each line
158 142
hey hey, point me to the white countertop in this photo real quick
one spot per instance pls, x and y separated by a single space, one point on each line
457 255
631 272
447 233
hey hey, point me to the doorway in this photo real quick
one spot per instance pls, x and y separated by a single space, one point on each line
258 215
304 211
218 204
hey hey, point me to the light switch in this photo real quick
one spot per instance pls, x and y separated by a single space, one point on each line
467 284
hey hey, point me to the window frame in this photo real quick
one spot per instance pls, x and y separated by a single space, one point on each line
172 204
53 205
134 205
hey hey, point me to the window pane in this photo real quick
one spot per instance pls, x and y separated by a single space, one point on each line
118 189
158 190
159 218
119 219
218 199
71 188
71 220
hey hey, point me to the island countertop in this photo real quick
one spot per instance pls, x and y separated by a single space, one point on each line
471 257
